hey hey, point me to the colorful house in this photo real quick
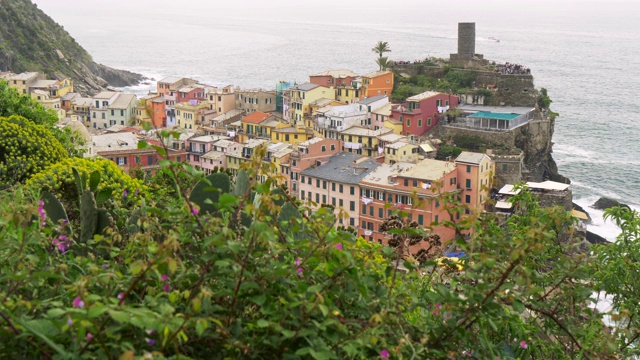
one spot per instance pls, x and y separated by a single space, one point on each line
412 188
258 125
198 146
171 84
291 135
301 96
152 109
361 140
23 81
253 100
306 154
100 108
122 109
55 88
376 83
475 174
190 92
190 115
336 182
48 102
372 104
422 112
221 98
339 118
333 78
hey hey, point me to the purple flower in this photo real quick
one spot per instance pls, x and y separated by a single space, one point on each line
299 271
166 287
164 277
137 191
62 247
77 302
467 353
69 321
151 342
105 266
120 296
124 194
438 306
297 262
55 241
195 211
523 344
339 246
62 237
89 337
43 214
384 354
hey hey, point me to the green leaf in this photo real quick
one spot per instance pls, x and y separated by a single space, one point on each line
517 306
37 327
262 323
120 316
143 144
96 311
94 180
201 326
54 313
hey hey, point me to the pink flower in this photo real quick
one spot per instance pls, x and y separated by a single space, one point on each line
164 277
299 271
120 296
195 211
438 306
297 262
339 246
384 354
89 336
523 344
467 353
166 287
77 302
62 247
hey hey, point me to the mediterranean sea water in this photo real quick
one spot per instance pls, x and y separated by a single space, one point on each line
586 53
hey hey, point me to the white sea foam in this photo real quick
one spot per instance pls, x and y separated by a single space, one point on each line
599 226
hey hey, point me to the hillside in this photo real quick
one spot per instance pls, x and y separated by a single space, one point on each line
31 41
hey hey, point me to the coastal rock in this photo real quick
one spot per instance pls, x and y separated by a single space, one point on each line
589 220
31 41
604 203
596 239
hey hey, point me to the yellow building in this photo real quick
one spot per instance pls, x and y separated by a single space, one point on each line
191 116
347 94
48 102
361 140
55 88
258 125
401 151
301 97
292 135
21 82
236 158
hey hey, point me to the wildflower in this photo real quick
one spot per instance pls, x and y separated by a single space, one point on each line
151 342
77 302
166 287
124 194
62 247
89 336
105 266
467 353
384 354
120 296
195 211
164 277
69 321
297 262
55 241
43 214
151 332
137 191
523 344
438 306
299 271
339 246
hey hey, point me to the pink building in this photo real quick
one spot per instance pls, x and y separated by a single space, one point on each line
190 92
307 154
333 78
422 112
335 182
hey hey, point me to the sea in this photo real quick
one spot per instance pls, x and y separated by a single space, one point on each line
585 53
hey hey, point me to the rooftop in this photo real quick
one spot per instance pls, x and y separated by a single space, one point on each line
113 142
171 80
347 110
228 115
311 141
376 73
340 73
209 138
424 95
429 169
494 115
471 157
70 96
82 101
305 87
372 99
322 102
360 131
282 152
122 101
21 76
342 168
380 176
399 145
496 109
254 143
226 143
105 95
384 110
256 117
213 155
44 83
293 130
190 88
391 137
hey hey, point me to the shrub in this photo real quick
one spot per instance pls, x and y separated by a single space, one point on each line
59 179
25 149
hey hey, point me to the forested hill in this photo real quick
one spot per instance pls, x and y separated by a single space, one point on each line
31 41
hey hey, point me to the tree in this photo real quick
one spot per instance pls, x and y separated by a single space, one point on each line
381 48
382 62
25 149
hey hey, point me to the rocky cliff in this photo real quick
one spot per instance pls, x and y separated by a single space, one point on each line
31 41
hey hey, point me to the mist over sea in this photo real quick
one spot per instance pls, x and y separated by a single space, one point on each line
586 53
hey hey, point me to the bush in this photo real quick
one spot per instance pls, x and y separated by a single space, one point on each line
25 149
59 179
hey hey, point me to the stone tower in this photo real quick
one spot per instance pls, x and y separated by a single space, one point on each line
466 43
466 40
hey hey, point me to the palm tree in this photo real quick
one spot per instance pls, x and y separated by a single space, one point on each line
383 62
381 48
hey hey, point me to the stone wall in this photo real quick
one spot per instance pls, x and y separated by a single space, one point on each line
563 199
467 39
509 167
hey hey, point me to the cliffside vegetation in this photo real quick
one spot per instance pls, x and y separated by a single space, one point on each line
31 41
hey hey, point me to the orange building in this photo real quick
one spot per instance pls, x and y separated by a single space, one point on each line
475 172
376 83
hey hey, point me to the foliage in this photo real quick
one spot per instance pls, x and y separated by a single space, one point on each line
447 151
380 48
14 103
544 101
195 286
60 180
383 62
25 149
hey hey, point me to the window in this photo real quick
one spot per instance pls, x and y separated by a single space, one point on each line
112 112
436 218
468 184
429 122
317 183
103 116
352 191
420 219
352 222
364 209
419 122
381 196
468 168
121 112
333 201
408 122
324 184
437 203
333 186
341 189
341 202
352 205
467 199
333 147
317 197
302 178
415 183
406 182
371 209
505 167
122 160
138 160
324 199
150 159
380 213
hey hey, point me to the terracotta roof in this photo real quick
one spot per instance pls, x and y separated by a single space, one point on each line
256 117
